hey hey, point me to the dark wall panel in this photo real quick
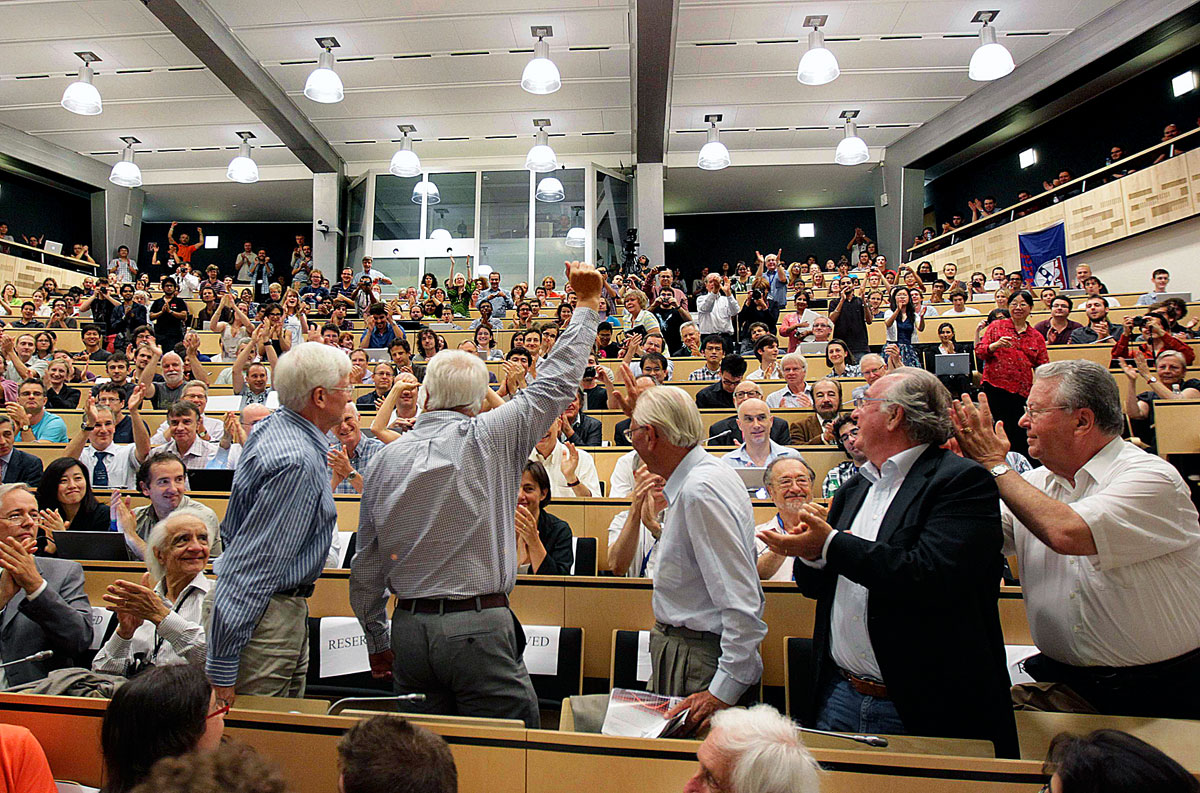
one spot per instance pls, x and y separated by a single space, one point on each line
278 239
709 240
1132 116
33 208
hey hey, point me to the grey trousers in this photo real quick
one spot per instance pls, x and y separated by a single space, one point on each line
682 661
274 662
466 663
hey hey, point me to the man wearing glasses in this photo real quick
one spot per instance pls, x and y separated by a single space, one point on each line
1108 543
845 433
908 555
726 432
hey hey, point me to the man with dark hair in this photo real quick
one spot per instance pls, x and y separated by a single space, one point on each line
379 331
1098 328
169 314
1060 326
845 434
1159 278
389 754
16 465
714 349
28 309
93 338
32 422
183 417
162 478
720 393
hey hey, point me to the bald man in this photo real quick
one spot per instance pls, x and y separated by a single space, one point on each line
757 450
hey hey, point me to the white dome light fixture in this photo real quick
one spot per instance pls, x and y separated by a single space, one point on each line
851 150
818 65
441 233
990 61
541 158
126 173
713 155
541 75
576 235
323 84
242 168
427 192
550 190
81 97
405 162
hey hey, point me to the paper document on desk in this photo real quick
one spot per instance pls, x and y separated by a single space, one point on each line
640 714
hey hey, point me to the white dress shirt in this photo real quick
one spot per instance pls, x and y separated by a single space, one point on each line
214 427
122 466
785 398
178 639
784 573
1137 601
715 313
850 641
706 579
201 453
620 484
585 472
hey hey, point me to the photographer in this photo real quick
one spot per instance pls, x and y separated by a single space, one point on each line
1154 339
755 308
670 309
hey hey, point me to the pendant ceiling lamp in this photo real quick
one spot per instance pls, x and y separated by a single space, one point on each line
991 60
126 173
323 84
818 65
242 168
713 155
405 161
81 96
541 75
541 158
851 150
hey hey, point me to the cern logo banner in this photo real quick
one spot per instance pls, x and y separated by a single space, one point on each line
1044 256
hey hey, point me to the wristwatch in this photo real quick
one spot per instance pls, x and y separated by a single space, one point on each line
1000 470
1151 379
573 484
86 428
350 477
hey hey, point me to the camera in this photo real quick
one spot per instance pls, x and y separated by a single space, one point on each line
589 372
1139 322
756 294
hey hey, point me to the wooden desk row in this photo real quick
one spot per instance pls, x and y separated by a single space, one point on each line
491 758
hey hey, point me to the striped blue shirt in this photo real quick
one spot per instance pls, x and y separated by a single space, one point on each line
276 532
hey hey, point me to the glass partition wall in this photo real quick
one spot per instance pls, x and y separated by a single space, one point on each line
510 221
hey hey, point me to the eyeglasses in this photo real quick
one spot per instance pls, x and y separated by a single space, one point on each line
788 481
859 401
347 389
1031 412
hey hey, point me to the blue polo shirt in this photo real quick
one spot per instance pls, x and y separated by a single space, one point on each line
51 428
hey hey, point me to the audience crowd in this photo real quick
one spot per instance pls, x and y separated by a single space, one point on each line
337 389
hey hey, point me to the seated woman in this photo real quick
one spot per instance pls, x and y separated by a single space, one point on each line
165 712
840 360
161 626
485 342
66 503
1169 380
948 344
543 541
1111 761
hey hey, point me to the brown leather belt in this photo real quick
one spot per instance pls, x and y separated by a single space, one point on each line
447 605
868 688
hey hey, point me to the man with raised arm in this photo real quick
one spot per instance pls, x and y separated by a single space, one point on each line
448 555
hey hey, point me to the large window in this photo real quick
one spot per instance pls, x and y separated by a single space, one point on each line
355 245
612 219
455 210
396 216
504 224
552 222
403 272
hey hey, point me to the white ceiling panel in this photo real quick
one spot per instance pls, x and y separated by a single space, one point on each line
743 188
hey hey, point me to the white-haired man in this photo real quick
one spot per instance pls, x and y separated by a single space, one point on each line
907 555
789 484
436 527
708 612
1108 543
797 393
278 527
754 750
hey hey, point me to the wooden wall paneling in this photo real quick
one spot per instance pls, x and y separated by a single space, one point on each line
1158 195
1095 217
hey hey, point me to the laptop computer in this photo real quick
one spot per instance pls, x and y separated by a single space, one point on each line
378 354
53 247
812 347
752 478
957 363
210 480
108 546
1184 296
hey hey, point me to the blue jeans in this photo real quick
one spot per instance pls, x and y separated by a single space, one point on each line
845 710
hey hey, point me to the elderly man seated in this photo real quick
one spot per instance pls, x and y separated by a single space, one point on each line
43 605
350 456
1108 543
162 478
789 484
158 620
572 471
797 393
758 450
754 751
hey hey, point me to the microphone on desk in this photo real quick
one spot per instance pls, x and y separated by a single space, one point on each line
718 435
869 740
342 704
39 656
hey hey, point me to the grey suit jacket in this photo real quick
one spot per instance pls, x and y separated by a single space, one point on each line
59 619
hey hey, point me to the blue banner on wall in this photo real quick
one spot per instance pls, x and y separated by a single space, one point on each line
1044 257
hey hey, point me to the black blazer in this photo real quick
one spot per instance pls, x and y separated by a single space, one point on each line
934 575
714 396
555 535
588 431
621 433
23 467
